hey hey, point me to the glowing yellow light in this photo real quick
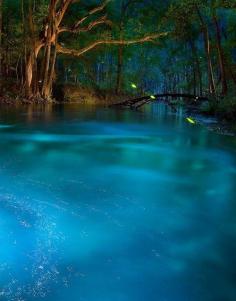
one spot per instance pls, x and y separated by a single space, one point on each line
152 97
190 120
133 86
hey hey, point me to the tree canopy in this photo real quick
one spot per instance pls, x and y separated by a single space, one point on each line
169 46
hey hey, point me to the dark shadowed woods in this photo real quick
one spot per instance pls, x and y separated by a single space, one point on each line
61 48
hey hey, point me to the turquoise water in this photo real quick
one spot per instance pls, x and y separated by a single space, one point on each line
103 205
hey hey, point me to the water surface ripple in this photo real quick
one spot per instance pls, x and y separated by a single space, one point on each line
101 205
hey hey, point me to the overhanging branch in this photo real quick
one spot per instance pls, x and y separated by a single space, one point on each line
62 10
90 26
79 52
90 13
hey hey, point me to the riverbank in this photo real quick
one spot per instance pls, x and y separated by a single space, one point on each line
65 94
211 120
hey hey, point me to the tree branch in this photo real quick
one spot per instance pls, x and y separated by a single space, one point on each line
90 26
77 53
91 12
62 10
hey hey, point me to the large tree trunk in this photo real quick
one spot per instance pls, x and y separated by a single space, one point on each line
120 64
51 53
206 37
31 65
47 88
211 79
224 88
29 76
38 83
197 66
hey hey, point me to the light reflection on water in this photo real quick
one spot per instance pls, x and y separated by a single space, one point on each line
115 205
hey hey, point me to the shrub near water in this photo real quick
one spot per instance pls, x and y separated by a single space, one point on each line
226 108
223 107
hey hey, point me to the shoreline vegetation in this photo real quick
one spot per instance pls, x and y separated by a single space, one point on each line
202 111
104 52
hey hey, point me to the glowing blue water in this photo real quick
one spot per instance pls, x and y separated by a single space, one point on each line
115 206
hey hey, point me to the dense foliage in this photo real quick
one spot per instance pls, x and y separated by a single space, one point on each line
180 46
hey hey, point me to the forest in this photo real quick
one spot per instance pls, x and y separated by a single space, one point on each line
53 49
117 150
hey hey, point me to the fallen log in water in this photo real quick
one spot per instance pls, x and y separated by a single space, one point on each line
140 101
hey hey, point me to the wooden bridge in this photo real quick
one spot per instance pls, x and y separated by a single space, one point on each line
136 103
